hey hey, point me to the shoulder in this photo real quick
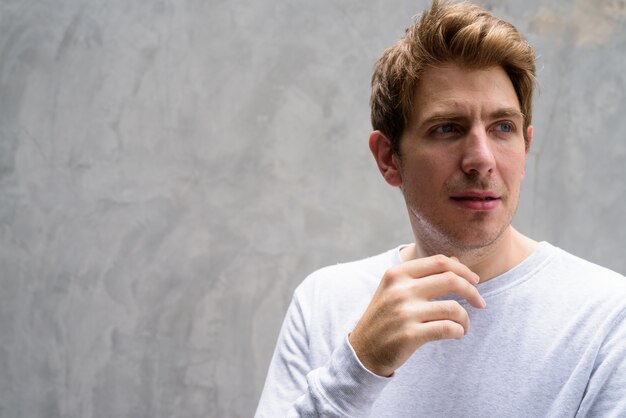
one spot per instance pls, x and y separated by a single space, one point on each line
584 285
353 276
576 270
345 287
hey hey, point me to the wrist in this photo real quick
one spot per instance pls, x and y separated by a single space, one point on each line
366 360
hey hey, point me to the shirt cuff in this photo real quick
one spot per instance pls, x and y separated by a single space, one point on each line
349 385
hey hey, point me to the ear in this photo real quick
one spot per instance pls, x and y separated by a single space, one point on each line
388 162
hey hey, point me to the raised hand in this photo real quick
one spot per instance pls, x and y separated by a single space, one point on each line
402 316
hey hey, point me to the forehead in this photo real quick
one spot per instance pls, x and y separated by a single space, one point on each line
454 89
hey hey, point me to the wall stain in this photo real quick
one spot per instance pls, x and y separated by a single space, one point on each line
589 23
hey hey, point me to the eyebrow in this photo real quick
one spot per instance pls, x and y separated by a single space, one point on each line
509 112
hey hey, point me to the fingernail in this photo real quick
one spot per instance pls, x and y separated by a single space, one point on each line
477 277
484 304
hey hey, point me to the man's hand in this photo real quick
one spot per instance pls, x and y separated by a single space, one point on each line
401 316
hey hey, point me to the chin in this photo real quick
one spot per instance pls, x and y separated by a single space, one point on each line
441 234
468 237
474 238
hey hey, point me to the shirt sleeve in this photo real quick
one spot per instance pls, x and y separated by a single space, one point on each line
342 387
606 389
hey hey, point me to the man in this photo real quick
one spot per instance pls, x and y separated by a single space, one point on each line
390 336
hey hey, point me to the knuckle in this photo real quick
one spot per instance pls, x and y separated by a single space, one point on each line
467 287
415 287
447 329
457 283
450 279
392 274
402 314
407 334
440 260
396 297
453 309
464 315
439 331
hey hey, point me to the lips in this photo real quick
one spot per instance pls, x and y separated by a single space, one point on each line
476 200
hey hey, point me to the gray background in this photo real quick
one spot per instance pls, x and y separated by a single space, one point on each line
171 170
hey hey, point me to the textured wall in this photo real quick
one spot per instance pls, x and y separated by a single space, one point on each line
171 170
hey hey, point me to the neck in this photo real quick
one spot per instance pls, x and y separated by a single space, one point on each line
510 249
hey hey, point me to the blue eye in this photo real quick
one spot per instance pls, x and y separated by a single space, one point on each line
445 129
505 127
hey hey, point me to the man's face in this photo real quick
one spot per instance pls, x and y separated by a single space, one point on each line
462 157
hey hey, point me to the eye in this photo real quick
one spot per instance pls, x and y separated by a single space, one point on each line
445 129
504 127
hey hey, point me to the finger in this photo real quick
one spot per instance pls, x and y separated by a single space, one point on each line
422 267
437 285
442 310
441 330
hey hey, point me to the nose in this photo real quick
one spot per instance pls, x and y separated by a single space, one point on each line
477 157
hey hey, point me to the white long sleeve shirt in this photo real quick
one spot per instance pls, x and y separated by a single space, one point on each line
551 343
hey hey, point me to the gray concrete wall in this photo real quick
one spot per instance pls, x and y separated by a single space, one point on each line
171 170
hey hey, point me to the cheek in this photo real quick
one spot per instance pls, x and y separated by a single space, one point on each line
523 167
515 166
427 174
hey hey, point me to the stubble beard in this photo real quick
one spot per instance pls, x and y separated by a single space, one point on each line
438 235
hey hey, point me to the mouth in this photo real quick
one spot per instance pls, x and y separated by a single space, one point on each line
476 200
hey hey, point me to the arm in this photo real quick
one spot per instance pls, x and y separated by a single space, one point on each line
340 388
606 390
399 319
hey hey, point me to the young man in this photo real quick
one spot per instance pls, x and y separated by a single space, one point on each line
389 336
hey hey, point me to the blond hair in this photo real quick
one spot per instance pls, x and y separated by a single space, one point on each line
461 33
